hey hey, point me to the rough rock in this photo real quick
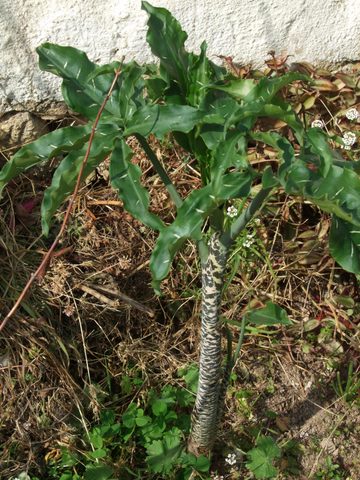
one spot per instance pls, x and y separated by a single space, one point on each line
19 128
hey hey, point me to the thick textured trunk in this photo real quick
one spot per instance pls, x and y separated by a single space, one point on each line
206 412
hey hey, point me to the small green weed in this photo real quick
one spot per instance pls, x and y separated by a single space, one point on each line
349 388
261 458
143 442
330 471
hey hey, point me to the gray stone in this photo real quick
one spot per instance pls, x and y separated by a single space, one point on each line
20 128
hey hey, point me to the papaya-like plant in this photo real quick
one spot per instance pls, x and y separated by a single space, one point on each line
212 115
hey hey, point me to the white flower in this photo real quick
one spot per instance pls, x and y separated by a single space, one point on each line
231 459
349 138
248 243
257 221
232 211
217 477
352 114
22 476
317 124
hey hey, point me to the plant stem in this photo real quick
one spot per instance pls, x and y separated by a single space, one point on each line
206 412
203 250
160 170
240 223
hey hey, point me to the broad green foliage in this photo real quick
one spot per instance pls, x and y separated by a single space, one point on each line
211 114
271 314
125 177
215 117
156 428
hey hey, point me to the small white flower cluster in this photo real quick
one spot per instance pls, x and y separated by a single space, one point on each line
317 124
21 476
214 476
352 114
232 211
231 459
349 138
249 240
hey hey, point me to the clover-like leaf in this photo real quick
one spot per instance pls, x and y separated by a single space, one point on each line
262 457
162 454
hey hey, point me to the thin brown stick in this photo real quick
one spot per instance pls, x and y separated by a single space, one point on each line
46 260
101 294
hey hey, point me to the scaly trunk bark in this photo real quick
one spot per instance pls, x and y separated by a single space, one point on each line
206 412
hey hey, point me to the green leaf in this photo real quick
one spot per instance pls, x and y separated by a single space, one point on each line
200 464
337 193
190 217
82 89
96 438
191 378
161 119
283 112
280 143
159 407
126 178
267 88
64 476
167 42
344 245
98 472
262 457
99 453
199 76
46 147
269 179
143 420
271 314
230 152
320 146
65 176
131 88
162 454
239 88
128 417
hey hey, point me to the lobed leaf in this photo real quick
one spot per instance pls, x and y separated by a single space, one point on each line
84 83
161 119
262 457
162 454
344 244
46 147
337 193
319 145
199 76
167 42
65 176
190 217
125 177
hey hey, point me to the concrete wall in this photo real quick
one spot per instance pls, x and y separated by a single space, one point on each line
317 31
